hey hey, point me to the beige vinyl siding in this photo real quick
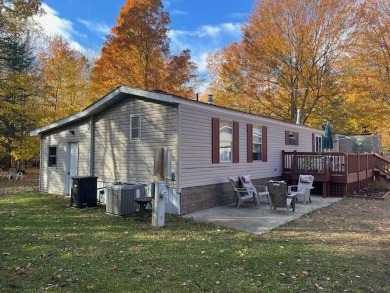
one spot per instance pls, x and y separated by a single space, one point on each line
52 179
195 143
117 158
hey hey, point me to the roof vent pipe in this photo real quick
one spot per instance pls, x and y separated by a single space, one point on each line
298 117
210 99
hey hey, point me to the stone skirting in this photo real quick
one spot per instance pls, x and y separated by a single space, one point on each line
208 196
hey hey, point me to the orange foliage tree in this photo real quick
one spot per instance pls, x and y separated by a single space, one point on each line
136 53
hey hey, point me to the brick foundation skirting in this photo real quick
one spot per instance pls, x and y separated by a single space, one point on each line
208 196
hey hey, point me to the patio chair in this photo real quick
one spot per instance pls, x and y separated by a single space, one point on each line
302 190
258 190
242 194
12 173
279 195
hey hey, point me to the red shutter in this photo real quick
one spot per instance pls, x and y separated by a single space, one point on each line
286 138
296 136
313 142
236 142
264 144
249 143
215 140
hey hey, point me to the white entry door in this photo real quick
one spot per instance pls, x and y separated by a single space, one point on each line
71 168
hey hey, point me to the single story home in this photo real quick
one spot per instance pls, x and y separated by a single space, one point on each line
116 138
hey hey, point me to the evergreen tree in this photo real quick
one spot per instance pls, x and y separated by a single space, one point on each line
17 80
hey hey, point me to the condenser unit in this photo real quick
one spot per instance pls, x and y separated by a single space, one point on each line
120 200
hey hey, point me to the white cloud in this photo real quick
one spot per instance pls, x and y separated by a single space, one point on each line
178 12
213 31
100 28
204 40
201 60
232 28
209 31
53 24
238 15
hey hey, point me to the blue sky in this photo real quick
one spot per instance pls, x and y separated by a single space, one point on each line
203 26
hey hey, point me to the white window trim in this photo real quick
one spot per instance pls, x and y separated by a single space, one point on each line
318 143
254 143
49 156
131 127
221 157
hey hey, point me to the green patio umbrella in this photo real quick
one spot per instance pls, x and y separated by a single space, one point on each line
327 140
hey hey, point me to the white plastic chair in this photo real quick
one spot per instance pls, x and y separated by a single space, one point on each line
12 173
302 190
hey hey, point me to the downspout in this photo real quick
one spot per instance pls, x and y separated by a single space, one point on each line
92 146
178 162
40 162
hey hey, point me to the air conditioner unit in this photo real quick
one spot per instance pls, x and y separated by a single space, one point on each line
120 200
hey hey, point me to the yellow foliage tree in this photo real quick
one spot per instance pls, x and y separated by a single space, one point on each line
367 73
289 57
65 80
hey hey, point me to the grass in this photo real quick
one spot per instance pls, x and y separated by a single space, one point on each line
48 246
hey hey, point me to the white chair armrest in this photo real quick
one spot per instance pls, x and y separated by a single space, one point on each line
241 189
291 187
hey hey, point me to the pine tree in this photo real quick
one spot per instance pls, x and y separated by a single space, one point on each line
17 80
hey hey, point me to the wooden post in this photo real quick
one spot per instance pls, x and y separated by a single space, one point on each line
294 166
358 170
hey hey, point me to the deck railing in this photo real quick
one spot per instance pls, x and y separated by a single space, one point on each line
339 173
327 162
382 163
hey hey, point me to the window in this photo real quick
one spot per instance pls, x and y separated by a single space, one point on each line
52 156
135 127
292 138
318 144
225 141
257 143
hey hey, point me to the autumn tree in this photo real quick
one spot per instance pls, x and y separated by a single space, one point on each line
367 73
136 53
65 80
17 79
229 82
289 57
372 50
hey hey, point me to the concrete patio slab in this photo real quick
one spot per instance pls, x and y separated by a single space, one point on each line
258 219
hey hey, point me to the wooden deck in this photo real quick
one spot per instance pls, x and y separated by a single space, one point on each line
335 174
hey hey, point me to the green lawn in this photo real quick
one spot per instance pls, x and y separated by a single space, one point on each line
48 246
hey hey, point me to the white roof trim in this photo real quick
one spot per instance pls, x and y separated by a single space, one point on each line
122 91
102 104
